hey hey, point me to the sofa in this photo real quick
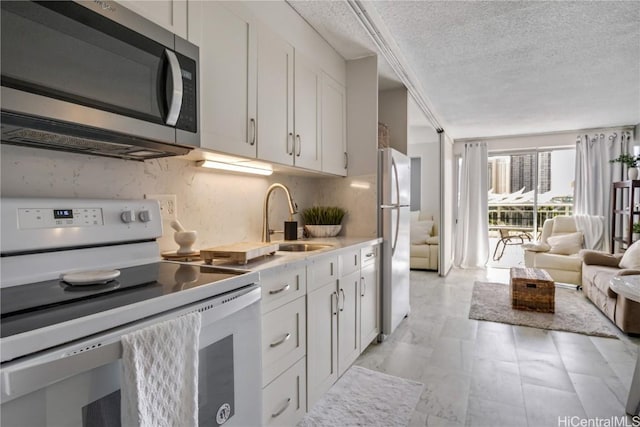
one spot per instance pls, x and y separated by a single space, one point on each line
424 251
557 250
597 271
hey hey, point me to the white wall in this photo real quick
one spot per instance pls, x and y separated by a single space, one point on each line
430 176
392 111
222 207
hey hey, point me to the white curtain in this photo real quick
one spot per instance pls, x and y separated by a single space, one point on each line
472 234
595 173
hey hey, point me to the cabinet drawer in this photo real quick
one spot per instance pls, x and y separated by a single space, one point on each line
349 262
322 271
369 254
282 286
283 338
284 400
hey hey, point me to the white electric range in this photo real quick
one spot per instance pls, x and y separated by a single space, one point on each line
77 274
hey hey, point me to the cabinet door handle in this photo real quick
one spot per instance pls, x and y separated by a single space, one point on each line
331 268
364 286
334 296
253 131
280 341
343 299
290 138
277 291
346 159
281 410
299 143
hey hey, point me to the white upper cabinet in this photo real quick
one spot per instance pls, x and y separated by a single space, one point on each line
228 75
288 104
169 14
307 148
275 98
334 127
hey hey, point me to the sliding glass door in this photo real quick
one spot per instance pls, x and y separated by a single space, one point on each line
525 189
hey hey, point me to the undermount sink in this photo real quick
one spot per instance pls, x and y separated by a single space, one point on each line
301 247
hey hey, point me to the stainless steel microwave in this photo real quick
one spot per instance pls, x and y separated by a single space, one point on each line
94 77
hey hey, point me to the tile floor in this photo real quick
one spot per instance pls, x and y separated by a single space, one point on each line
480 373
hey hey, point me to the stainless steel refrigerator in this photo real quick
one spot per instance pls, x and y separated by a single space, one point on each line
394 197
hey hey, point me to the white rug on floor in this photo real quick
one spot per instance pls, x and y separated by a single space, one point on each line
573 311
366 398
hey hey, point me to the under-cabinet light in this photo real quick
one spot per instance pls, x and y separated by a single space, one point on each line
211 164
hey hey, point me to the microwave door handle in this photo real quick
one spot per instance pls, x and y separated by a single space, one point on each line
175 104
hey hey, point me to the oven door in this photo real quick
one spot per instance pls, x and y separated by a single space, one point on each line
79 385
72 55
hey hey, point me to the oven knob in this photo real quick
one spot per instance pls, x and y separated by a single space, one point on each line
128 216
144 216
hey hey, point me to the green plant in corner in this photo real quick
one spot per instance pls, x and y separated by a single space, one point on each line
636 227
323 215
626 159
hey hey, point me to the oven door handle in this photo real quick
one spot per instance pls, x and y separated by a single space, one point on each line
26 378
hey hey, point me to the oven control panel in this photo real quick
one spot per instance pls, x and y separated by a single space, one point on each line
36 224
62 217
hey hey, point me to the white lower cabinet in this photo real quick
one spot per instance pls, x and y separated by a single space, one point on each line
348 321
369 297
284 345
284 399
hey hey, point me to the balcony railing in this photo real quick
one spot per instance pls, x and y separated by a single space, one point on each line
521 215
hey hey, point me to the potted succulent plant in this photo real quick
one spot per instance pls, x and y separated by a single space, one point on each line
630 161
323 221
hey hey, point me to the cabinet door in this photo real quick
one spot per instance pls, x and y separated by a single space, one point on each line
334 127
275 98
322 350
369 305
169 14
283 338
307 153
284 400
228 77
348 321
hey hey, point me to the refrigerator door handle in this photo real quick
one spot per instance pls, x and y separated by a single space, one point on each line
395 239
396 180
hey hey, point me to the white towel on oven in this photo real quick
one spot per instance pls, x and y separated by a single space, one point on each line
159 384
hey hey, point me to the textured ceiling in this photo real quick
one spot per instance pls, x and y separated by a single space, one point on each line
506 68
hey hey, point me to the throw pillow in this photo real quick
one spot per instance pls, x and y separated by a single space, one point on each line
420 231
565 244
631 257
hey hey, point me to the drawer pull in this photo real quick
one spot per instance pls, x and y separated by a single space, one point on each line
277 291
369 255
280 341
281 410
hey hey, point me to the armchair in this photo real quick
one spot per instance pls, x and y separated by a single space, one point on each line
557 250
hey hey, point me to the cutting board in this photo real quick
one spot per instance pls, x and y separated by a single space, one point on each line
241 252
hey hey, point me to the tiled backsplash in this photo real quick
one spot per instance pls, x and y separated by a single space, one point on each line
222 207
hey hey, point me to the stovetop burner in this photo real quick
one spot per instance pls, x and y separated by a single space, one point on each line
36 305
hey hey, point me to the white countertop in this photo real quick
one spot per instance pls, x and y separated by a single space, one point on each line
287 259
627 286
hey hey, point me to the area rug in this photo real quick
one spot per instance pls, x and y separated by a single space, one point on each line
362 397
573 311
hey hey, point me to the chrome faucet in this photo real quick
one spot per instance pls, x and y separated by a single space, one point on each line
293 208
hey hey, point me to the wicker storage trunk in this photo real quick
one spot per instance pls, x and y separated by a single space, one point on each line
532 289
